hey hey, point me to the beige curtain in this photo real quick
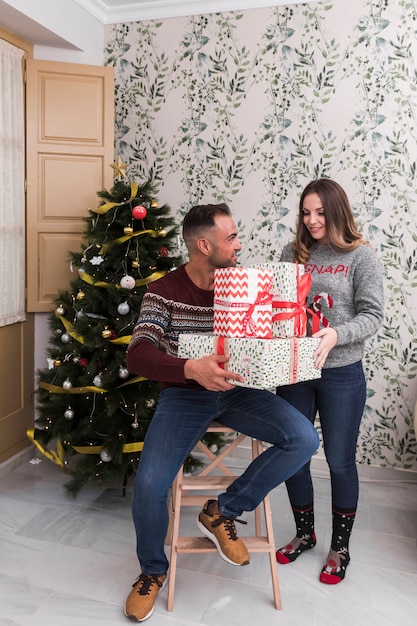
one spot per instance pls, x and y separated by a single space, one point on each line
12 180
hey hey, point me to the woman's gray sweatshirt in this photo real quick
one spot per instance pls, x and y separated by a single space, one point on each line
347 291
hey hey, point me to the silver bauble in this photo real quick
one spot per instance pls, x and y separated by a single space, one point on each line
69 413
97 381
123 372
105 456
123 308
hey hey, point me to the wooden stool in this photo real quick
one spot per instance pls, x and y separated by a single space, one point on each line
182 495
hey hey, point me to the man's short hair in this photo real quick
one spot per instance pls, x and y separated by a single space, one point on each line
200 218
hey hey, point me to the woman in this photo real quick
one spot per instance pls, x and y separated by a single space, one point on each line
347 294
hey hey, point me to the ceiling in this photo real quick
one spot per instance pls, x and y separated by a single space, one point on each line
113 11
117 11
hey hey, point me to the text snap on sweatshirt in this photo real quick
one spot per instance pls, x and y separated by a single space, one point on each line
347 292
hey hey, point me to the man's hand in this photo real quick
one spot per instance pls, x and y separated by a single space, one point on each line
208 374
328 340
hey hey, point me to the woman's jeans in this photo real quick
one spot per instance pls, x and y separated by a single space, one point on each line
181 419
339 398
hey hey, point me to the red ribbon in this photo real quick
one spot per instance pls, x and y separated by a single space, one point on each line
299 312
220 349
249 325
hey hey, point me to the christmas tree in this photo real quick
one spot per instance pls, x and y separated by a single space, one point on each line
92 414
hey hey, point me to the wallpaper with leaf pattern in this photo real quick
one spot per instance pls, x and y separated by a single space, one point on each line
247 107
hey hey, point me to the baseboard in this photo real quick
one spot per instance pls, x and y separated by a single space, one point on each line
366 473
16 461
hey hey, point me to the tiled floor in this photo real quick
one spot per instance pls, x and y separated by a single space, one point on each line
71 562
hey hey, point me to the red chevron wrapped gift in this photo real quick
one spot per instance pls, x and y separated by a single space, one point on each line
243 302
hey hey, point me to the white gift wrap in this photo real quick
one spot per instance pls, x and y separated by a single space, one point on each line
242 302
264 363
284 289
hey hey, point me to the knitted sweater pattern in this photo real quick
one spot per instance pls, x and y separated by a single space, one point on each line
347 288
172 305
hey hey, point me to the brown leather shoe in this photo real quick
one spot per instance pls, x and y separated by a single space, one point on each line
140 602
222 532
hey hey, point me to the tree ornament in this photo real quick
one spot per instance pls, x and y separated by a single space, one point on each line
97 380
164 252
65 338
123 308
80 314
105 456
127 282
139 212
57 362
80 295
69 413
106 333
150 403
162 232
97 260
119 168
83 361
128 230
154 204
60 310
67 384
123 372
134 425
135 263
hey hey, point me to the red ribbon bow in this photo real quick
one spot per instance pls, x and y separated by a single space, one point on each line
299 312
249 325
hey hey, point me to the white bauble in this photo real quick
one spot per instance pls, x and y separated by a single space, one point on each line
127 282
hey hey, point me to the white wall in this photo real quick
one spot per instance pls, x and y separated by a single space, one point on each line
60 31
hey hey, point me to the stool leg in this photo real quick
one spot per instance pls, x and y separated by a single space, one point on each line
176 508
272 556
257 449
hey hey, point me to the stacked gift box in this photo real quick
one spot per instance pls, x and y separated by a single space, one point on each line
260 319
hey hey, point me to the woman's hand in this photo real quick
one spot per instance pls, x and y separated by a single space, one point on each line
328 340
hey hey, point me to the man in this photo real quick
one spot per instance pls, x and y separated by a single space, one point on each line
194 392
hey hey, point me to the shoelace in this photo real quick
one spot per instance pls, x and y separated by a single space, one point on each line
229 525
145 584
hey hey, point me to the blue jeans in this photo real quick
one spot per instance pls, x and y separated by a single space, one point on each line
180 421
339 398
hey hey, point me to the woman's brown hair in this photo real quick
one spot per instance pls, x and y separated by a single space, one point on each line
342 232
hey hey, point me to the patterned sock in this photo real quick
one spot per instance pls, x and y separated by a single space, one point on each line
305 538
338 559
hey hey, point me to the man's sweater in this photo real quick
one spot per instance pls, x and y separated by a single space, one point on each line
347 288
171 305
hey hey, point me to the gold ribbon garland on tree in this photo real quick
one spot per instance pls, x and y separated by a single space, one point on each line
58 456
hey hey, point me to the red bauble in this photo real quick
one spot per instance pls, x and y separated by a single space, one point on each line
139 212
163 251
83 361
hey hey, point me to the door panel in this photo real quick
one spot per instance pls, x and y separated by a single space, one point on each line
16 350
16 376
70 137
